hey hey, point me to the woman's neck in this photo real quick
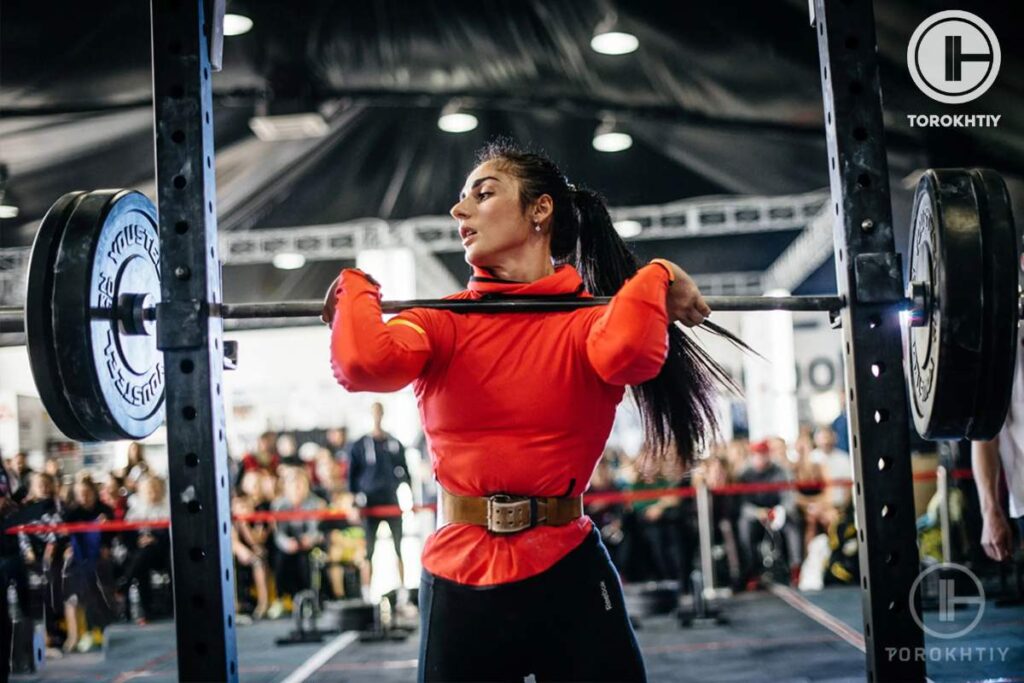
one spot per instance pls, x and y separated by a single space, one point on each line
525 270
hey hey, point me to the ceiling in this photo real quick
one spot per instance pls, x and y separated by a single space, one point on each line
721 98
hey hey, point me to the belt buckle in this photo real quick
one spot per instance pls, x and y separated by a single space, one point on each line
508 514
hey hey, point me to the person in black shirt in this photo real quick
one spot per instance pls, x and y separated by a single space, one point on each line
86 566
377 468
757 506
9 561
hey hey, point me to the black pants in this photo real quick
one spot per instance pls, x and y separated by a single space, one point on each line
145 559
373 524
568 623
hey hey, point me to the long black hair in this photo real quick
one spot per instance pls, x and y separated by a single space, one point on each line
677 408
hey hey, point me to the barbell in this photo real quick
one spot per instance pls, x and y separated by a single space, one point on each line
92 309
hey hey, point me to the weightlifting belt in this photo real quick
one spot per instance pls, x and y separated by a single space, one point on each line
504 514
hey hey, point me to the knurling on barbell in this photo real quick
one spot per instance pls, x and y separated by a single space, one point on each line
94 292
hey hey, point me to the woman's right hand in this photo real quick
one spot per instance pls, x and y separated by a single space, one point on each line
330 302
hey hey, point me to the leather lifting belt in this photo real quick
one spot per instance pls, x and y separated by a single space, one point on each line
504 514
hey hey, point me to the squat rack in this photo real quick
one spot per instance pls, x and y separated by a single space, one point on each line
869 280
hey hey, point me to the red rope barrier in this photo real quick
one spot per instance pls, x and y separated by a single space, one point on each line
395 511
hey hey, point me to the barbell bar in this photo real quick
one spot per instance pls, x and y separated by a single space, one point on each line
312 309
93 307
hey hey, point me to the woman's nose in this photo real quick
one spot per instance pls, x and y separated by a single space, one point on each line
458 212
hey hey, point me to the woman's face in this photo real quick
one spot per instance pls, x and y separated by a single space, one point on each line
42 487
491 220
84 494
296 488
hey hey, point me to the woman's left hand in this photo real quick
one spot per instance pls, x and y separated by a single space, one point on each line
683 300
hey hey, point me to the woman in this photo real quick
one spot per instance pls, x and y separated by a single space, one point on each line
136 468
811 497
294 538
248 545
521 404
152 545
86 567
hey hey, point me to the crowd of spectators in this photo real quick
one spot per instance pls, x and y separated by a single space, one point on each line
787 494
80 582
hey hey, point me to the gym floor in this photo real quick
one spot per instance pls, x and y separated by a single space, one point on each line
777 635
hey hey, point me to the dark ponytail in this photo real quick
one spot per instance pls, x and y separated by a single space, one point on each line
677 407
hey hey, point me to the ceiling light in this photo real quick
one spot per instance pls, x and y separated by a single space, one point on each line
608 138
614 43
236 24
289 260
454 120
8 211
628 228
610 39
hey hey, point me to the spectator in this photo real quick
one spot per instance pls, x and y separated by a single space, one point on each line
837 466
115 494
288 450
659 522
39 507
778 450
249 546
377 468
295 538
20 476
757 507
329 481
264 458
86 568
9 556
136 468
811 497
337 444
38 549
346 547
55 469
737 453
152 545
607 515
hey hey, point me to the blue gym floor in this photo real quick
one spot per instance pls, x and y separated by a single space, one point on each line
769 637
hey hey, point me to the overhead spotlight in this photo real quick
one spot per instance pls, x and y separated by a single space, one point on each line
608 138
610 39
454 120
289 260
236 24
8 211
628 228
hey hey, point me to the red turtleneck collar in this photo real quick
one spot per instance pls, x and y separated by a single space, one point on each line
565 280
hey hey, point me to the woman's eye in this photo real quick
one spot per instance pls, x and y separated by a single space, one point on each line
484 194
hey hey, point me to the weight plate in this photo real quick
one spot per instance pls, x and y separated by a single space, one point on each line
110 249
999 246
42 353
943 357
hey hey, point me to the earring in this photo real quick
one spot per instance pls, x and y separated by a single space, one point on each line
536 227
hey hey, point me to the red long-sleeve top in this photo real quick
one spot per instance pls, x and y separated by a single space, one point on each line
514 403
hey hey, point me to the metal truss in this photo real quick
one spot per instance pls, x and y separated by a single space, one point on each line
812 248
429 235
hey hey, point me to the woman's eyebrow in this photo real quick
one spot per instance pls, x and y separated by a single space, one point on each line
462 195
